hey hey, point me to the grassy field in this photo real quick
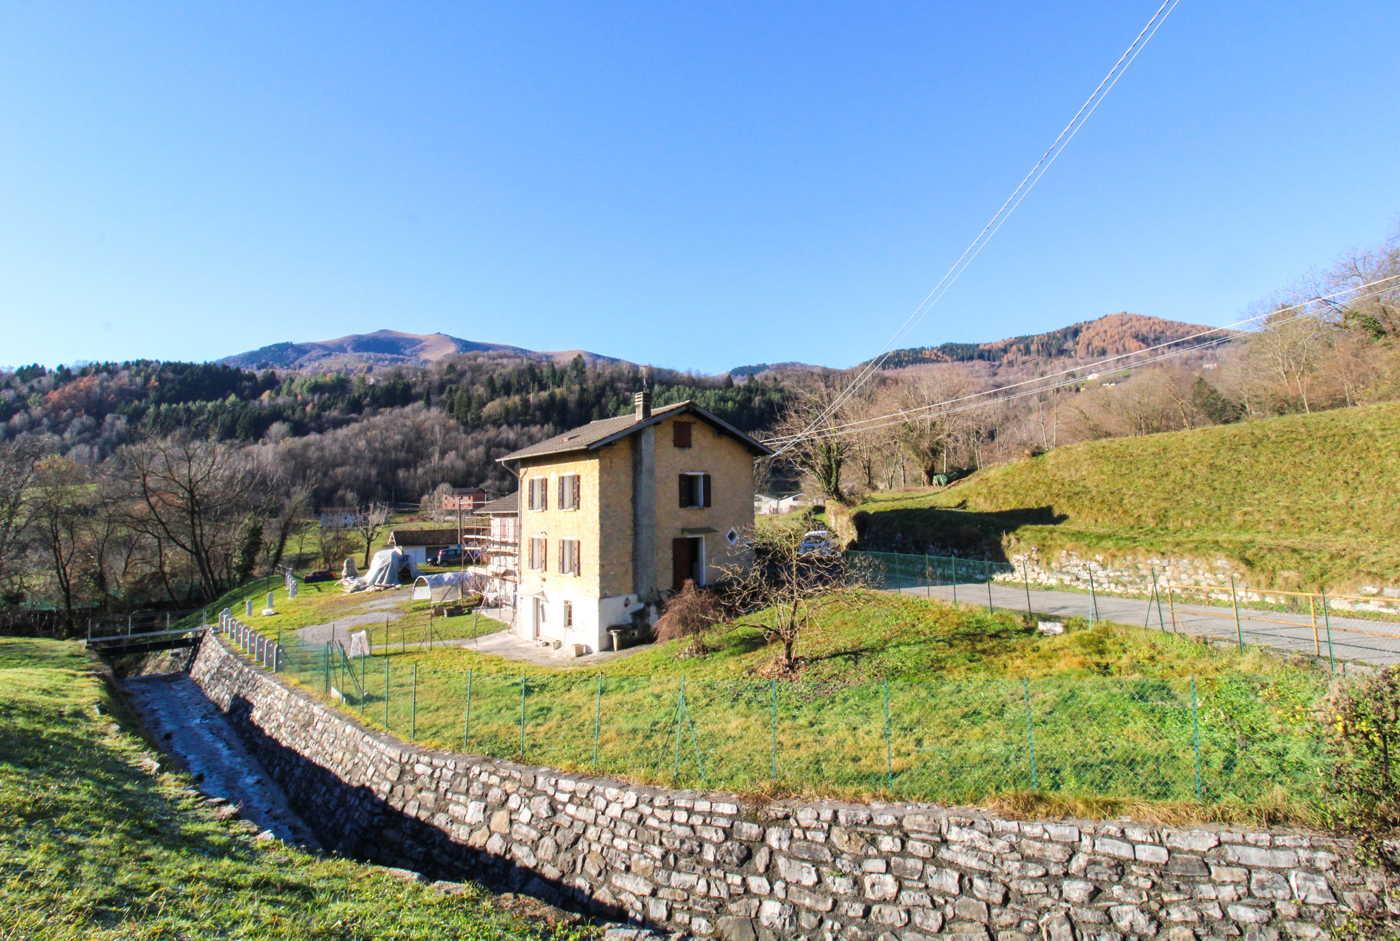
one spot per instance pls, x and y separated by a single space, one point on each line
388 617
1302 501
96 843
898 697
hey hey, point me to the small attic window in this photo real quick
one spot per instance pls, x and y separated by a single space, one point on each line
681 433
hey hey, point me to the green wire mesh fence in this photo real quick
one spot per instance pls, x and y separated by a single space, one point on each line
951 740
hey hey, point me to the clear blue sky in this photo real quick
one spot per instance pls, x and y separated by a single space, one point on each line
693 185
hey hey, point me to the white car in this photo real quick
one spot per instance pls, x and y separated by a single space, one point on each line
817 542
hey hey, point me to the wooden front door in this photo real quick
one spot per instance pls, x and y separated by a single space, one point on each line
687 561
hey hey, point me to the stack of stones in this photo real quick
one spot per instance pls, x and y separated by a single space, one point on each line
716 866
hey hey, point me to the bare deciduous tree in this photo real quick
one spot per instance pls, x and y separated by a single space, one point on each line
785 582
369 521
811 422
195 496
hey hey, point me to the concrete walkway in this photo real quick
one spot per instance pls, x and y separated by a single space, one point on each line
1374 643
499 640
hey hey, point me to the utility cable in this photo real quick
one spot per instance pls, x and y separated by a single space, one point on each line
1007 208
862 424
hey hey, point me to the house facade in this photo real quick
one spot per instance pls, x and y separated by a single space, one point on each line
422 544
616 515
464 499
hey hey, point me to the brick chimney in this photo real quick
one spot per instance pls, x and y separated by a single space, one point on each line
643 402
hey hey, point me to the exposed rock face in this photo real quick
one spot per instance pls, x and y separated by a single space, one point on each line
716 866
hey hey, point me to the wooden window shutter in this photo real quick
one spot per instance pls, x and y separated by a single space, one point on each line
681 434
563 488
680 562
706 488
686 494
530 499
578 491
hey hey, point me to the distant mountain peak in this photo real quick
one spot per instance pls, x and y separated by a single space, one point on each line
382 348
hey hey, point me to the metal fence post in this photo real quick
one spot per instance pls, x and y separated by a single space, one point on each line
326 649
386 690
680 709
1157 593
467 714
1030 732
987 574
597 721
1235 601
1196 736
1026 581
928 577
522 715
1171 604
1093 599
774 750
1327 619
889 764
1312 610
413 717
955 581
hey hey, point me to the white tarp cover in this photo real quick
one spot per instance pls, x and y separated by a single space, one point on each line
383 572
445 587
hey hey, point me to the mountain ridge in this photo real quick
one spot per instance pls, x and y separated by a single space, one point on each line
383 348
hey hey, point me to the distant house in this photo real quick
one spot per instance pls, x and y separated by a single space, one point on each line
764 505
616 515
338 518
466 499
421 544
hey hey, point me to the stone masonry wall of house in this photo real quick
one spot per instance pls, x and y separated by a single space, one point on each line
714 865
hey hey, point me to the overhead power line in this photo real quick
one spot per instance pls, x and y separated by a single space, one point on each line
990 396
1002 214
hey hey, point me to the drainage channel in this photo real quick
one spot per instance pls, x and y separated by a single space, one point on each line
189 728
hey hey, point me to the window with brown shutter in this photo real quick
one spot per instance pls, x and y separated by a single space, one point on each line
569 490
568 557
681 434
539 493
694 491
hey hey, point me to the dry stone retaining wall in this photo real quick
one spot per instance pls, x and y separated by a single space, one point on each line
716 866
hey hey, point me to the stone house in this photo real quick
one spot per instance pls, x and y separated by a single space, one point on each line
616 515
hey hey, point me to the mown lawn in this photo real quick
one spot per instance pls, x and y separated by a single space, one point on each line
1302 501
897 697
93 845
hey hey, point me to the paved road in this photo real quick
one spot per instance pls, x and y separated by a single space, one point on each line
1374 643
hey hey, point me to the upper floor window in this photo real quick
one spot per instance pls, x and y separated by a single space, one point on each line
539 493
569 490
568 557
539 552
695 491
680 433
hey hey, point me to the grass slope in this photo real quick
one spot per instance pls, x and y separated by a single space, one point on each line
1302 501
1111 708
95 844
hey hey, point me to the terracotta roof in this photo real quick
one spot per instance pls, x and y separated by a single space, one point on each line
505 506
607 430
423 537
